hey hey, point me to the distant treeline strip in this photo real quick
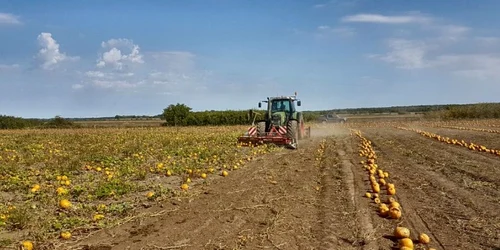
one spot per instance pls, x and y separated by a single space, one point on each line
11 122
240 117
472 111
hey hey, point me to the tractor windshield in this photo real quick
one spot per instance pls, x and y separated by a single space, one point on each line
281 106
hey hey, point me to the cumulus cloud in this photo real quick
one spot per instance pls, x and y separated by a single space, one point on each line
119 52
50 55
122 66
406 54
376 18
449 48
6 18
422 54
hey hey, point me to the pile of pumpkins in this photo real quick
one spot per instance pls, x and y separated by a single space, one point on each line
391 208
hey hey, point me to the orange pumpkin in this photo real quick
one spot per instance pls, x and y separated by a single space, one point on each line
406 242
391 191
424 238
395 212
402 232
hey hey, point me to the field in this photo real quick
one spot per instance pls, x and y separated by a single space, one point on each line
194 188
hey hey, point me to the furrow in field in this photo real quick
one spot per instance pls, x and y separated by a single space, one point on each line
458 216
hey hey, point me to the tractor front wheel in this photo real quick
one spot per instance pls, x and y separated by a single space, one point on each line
292 131
261 128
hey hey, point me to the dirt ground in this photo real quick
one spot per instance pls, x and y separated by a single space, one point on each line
292 200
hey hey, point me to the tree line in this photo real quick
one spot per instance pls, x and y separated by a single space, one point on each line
12 122
182 115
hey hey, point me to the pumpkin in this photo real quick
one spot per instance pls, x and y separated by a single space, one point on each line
382 182
375 188
65 204
65 235
391 200
424 238
391 191
395 212
368 195
372 179
394 204
383 210
402 232
27 245
406 242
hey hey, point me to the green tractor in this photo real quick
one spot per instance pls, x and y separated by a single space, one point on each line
282 124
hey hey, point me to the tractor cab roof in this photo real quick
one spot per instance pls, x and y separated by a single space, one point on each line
292 97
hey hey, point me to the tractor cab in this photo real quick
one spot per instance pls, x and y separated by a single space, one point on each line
280 111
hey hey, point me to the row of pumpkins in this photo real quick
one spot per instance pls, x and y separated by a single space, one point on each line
471 146
391 208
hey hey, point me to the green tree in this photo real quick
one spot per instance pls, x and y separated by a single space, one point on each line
176 114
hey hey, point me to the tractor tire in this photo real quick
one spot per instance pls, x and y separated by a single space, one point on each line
292 131
261 128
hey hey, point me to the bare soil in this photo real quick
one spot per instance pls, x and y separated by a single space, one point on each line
292 200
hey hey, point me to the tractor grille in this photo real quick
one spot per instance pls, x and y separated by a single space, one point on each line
276 120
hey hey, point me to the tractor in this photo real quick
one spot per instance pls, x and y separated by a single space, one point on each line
281 124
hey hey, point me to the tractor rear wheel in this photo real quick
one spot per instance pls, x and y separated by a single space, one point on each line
261 128
292 130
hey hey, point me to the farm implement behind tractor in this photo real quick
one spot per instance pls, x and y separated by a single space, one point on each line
281 124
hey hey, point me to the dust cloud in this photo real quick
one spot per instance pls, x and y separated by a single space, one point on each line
319 131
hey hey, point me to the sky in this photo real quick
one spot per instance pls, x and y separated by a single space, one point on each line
104 58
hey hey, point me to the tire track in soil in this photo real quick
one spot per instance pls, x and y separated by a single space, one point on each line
334 207
443 217
366 234
271 203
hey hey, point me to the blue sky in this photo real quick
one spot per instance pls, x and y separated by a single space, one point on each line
103 58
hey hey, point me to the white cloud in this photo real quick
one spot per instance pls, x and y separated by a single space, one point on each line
115 56
50 55
450 32
6 18
116 84
107 75
320 5
415 54
479 66
77 86
406 54
447 48
5 67
376 18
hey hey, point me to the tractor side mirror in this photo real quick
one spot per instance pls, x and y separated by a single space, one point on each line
260 105
299 103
